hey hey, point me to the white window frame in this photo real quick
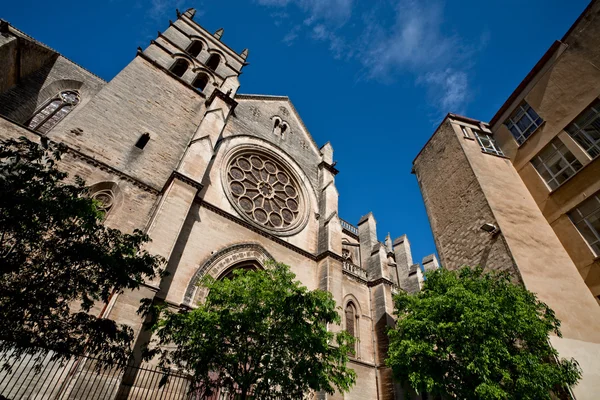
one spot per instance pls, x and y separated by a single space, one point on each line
595 244
487 142
524 110
465 131
557 146
578 130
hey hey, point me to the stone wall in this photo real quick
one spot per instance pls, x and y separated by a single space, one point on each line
456 205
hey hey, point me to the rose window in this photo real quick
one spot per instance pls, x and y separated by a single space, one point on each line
105 199
264 191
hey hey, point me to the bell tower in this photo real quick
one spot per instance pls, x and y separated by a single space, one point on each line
197 57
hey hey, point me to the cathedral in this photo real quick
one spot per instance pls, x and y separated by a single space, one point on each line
219 180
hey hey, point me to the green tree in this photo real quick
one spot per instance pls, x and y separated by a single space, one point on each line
260 334
57 259
476 335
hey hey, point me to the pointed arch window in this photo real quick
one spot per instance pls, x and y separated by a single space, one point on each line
213 62
54 111
179 67
195 48
351 323
200 82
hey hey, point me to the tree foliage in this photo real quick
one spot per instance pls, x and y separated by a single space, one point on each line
476 335
260 334
57 259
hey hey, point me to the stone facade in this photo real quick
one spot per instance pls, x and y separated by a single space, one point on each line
518 193
217 179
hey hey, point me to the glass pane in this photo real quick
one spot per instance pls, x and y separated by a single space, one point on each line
594 221
44 113
589 206
55 119
586 232
524 123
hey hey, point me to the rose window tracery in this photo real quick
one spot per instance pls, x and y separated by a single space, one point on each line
263 190
105 199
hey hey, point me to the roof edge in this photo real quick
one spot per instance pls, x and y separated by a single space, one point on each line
528 78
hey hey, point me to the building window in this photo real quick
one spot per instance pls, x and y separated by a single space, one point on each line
213 62
555 163
464 131
179 67
586 217
523 122
586 129
351 322
200 82
487 143
195 48
54 111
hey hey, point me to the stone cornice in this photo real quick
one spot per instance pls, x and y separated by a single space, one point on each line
88 160
105 167
239 221
381 280
186 179
251 227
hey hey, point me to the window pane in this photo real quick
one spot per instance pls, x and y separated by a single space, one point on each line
586 218
555 163
44 113
585 129
523 122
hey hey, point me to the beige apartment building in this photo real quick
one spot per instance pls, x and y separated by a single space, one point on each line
219 180
522 192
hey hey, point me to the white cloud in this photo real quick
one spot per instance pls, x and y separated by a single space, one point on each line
393 39
449 89
292 35
338 11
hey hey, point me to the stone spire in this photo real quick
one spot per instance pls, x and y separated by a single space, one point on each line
219 33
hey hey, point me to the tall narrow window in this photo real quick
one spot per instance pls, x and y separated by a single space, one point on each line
487 143
523 122
179 67
586 129
351 322
213 62
200 82
555 163
195 48
54 111
586 218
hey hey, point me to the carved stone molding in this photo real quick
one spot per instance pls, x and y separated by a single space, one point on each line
219 263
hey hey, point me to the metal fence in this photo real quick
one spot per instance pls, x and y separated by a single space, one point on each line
36 376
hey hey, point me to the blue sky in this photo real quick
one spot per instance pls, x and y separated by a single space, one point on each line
372 77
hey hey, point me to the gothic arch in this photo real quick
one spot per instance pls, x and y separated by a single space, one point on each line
205 70
350 301
29 107
220 263
108 194
186 57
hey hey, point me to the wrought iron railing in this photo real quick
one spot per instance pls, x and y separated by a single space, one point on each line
36 376
349 227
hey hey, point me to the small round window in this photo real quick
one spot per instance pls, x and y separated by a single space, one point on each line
264 191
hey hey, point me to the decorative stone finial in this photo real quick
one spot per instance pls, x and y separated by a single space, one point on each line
190 12
388 243
219 33
244 54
